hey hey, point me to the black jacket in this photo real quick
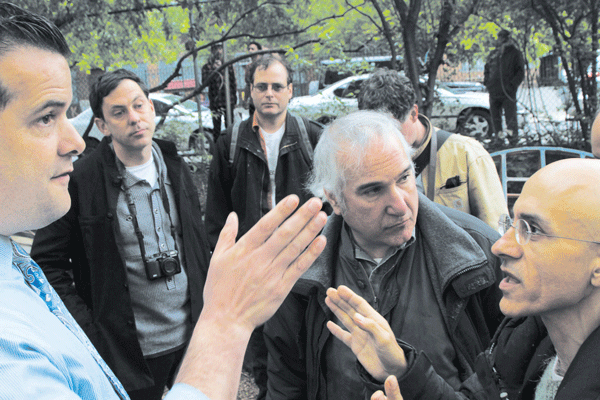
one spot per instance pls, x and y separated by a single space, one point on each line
81 259
519 354
243 186
466 282
504 71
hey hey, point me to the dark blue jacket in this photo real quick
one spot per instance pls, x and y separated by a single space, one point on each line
466 276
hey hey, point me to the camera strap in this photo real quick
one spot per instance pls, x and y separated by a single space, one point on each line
134 220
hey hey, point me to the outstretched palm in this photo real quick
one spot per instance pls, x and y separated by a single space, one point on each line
369 335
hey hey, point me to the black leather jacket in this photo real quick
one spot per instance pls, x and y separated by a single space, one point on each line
243 186
81 259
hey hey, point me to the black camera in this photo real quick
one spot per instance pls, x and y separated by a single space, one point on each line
162 264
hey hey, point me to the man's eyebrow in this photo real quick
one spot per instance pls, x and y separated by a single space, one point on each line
532 218
369 185
50 104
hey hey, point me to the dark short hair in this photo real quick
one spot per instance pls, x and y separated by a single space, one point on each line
266 61
389 91
258 45
19 28
504 34
109 82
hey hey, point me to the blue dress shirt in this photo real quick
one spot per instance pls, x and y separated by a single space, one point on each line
39 357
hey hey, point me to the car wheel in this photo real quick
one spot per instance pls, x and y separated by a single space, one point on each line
477 124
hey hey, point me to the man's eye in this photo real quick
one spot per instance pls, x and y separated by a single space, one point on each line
47 119
372 191
277 87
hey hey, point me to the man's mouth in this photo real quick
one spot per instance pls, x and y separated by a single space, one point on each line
61 175
509 281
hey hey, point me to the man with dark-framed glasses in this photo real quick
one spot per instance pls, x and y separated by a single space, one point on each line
256 163
548 347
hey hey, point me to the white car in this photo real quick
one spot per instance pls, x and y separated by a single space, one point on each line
186 112
467 112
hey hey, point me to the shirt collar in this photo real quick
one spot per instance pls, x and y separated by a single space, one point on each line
5 253
347 239
425 121
130 180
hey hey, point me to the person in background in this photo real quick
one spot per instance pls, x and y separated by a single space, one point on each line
256 164
44 354
549 345
503 73
452 169
252 47
217 94
133 196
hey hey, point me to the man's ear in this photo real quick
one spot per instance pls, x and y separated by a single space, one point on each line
414 112
101 124
595 278
335 204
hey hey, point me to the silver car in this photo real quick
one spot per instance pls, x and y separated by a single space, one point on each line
186 112
467 112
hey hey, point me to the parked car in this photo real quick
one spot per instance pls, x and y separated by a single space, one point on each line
463 86
466 112
186 112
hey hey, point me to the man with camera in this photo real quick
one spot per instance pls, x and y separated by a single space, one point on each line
130 257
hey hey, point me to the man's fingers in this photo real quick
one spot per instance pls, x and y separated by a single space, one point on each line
228 233
296 233
378 395
265 227
357 303
392 389
297 245
344 317
304 261
339 333
369 320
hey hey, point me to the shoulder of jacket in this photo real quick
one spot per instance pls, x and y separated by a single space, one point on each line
464 144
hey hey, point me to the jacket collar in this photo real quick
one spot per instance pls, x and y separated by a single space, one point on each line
452 257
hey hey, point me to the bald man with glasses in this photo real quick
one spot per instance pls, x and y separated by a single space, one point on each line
548 347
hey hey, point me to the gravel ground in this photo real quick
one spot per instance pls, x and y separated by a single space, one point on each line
248 390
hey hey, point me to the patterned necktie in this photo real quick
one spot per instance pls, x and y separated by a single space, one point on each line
38 283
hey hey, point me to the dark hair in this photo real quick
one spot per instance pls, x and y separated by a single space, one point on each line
258 45
504 34
387 90
109 82
19 27
266 61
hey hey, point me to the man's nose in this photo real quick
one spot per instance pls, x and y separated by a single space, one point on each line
397 201
134 117
507 246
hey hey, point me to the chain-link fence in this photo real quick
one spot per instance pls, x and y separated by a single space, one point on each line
544 102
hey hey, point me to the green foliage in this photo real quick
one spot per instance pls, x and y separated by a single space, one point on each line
177 132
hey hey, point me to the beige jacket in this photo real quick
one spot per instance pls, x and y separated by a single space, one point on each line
480 191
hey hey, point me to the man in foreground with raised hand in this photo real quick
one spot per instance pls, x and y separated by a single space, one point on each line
44 354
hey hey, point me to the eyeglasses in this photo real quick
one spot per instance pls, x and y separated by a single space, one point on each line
263 87
523 232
